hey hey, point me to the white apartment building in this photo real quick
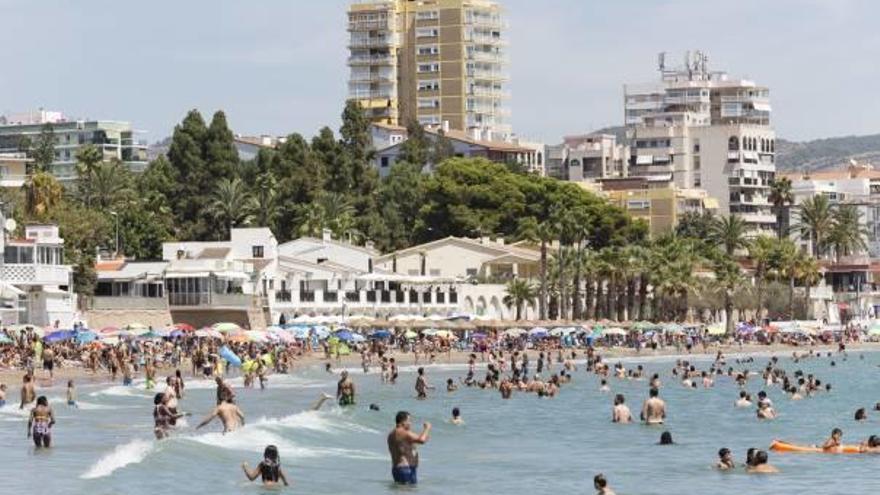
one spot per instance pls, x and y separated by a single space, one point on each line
703 129
35 285
587 157
254 281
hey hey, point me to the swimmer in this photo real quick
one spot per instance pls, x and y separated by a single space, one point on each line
871 446
28 393
456 417
743 400
230 415
422 386
40 423
666 439
451 386
345 390
224 391
759 464
620 413
654 409
861 415
269 468
2 394
833 444
402 444
601 485
725 460
71 394
164 417
603 387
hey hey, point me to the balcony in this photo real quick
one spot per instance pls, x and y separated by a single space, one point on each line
32 274
488 93
487 75
380 42
283 296
371 60
373 78
374 25
9 180
764 218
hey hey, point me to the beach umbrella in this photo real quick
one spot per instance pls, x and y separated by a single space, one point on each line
514 332
321 331
60 336
614 331
478 336
445 334
344 335
108 331
4 339
176 334
380 334
208 333
184 327
559 332
226 327
110 340
538 333
716 330
874 331
86 337
256 336
409 335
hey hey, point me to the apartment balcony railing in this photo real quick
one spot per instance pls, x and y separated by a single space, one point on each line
492 57
34 274
210 300
488 75
374 25
488 93
380 42
373 78
485 39
283 296
373 95
371 60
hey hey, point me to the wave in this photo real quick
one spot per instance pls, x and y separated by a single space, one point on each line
123 455
123 391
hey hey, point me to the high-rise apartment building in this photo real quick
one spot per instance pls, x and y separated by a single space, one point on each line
434 61
703 129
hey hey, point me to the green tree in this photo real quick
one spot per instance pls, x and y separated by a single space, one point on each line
417 147
729 234
43 195
848 235
186 156
231 205
265 193
782 199
110 184
87 159
816 222
442 148
519 293
43 151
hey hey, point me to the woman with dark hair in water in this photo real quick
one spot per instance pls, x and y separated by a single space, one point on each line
40 423
269 469
666 438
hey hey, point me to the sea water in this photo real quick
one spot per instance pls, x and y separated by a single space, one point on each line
525 445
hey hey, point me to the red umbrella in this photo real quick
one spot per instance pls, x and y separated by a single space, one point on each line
184 327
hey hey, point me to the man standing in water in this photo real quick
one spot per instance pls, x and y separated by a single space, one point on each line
230 415
345 390
422 386
224 391
28 394
654 409
402 446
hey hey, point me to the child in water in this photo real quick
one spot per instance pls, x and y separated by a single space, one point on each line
71 394
269 469
2 394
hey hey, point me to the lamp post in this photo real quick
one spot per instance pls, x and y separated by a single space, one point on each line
116 244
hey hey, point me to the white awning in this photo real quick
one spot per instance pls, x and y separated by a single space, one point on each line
644 160
233 275
761 106
187 275
9 291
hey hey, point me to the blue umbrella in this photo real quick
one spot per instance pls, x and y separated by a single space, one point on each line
345 335
177 334
85 337
381 334
60 336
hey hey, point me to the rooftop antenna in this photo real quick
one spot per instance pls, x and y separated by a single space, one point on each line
661 61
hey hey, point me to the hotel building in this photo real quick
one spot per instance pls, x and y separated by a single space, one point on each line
434 61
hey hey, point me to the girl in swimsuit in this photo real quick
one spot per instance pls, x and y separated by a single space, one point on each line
269 469
41 422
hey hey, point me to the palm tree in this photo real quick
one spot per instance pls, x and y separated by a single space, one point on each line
109 184
847 234
266 194
788 261
87 159
782 198
816 222
729 233
42 194
311 219
762 252
810 275
339 213
231 204
729 277
519 293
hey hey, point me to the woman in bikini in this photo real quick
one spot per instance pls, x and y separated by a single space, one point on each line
40 423
269 469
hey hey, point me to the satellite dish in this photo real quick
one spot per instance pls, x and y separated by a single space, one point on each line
10 225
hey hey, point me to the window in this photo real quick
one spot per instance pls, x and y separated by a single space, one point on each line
431 85
428 50
257 251
697 163
733 143
696 145
427 32
429 120
384 161
429 15
698 182
435 272
429 103
471 272
429 68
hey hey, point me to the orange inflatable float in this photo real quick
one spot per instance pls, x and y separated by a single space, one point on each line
780 446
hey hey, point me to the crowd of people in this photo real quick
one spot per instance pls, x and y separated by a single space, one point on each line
543 370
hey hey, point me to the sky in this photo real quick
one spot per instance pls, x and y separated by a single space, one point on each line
278 66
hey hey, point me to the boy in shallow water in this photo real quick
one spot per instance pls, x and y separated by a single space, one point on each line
71 394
